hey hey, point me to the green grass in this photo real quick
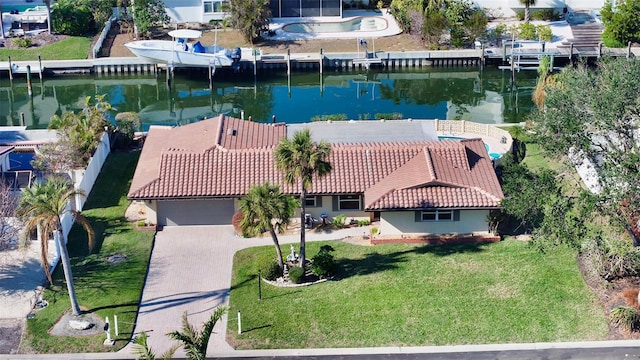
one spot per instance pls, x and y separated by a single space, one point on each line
409 295
71 48
102 288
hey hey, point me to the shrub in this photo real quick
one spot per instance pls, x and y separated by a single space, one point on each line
544 32
271 271
363 222
612 258
527 31
388 116
545 15
323 264
332 117
23 42
296 274
520 15
626 317
611 42
374 230
339 221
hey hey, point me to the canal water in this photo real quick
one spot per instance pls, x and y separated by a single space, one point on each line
484 96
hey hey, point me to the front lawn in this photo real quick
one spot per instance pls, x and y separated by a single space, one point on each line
410 295
102 288
76 47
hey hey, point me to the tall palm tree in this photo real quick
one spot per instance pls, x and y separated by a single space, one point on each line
43 206
266 207
301 159
527 11
193 341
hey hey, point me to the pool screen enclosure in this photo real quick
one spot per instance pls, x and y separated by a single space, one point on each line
305 8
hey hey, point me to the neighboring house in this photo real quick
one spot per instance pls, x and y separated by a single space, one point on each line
195 174
202 11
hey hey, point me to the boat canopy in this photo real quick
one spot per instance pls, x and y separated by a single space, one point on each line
185 34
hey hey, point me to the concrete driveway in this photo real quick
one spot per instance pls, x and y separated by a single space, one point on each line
190 270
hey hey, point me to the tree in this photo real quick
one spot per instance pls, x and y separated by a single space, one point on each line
193 341
265 207
621 24
250 17
43 206
147 13
594 115
527 8
80 133
302 160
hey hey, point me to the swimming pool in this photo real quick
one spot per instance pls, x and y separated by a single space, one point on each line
492 155
363 23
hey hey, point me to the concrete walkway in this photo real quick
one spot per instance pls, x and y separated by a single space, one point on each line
190 270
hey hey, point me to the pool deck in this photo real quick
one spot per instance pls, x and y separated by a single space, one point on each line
393 28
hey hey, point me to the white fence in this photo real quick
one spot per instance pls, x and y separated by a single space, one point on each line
103 35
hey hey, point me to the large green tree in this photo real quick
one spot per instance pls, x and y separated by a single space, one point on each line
527 8
146 14
265 207
593 114
301 160
621 23
250 17
193 341
42 207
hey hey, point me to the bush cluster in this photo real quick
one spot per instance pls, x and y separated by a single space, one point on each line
271 271
611 259
23 42
296 275
323 264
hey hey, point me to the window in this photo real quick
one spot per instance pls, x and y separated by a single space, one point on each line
438 215
214 6
349 202
313 201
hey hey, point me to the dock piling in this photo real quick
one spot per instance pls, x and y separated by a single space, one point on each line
10 69
29 87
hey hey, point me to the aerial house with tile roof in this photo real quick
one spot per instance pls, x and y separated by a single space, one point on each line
394 172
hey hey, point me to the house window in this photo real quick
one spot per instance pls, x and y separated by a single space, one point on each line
437 215
313 201
349 202
213 6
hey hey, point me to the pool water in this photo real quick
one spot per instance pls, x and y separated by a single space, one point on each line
364 23
492 155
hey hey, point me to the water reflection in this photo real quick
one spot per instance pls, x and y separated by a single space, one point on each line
471 94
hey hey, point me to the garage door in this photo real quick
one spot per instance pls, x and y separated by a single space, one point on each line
195 212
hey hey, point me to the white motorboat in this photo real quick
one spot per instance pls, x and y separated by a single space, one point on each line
180 52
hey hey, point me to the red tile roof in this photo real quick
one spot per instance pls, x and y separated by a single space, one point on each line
186 162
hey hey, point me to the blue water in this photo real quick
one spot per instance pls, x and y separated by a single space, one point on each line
20 160
462 93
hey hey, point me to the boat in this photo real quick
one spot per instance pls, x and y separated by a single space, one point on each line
180 52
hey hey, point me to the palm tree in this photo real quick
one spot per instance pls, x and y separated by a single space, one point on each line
301 159
266 207
143 351
527 11
43 206
193 341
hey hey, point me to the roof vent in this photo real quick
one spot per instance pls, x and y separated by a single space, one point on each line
232 132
